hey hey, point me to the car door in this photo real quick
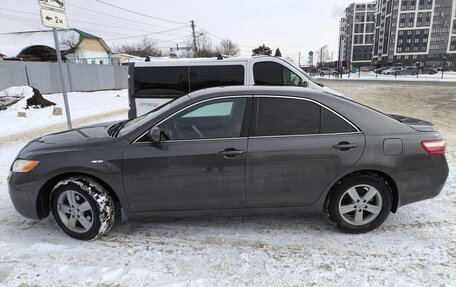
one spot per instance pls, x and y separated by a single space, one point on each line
200 164
296 148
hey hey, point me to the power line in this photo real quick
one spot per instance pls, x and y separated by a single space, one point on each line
141 14
144 35
116 17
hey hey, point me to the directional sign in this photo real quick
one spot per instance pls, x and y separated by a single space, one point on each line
311 53
53 4
54 19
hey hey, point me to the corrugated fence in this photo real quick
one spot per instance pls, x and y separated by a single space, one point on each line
78 77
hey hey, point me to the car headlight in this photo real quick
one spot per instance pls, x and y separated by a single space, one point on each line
22 165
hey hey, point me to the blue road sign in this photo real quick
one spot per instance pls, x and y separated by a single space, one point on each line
311 53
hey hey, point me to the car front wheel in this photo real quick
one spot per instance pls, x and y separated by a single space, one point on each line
82 208
360 203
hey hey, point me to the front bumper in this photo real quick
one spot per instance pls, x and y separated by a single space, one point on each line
24 189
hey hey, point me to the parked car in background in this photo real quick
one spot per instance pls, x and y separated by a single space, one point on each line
232 151
367 68
381 69
408 70
325 71
392 71
428 70
152 84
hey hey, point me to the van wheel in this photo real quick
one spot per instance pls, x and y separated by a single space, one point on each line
322 74
82 208
360 203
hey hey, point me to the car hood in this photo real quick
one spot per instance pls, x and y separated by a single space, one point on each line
74 139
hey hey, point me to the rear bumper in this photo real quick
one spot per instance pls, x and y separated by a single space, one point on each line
422 184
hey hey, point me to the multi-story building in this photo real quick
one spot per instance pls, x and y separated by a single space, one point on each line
359 33
342 37
407 32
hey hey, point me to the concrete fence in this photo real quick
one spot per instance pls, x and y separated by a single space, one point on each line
78 77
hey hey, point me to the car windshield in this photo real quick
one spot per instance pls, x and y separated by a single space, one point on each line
303 73
133 124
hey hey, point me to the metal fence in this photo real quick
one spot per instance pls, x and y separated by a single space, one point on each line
78 77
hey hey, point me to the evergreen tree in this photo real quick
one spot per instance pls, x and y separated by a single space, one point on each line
278 53
262 50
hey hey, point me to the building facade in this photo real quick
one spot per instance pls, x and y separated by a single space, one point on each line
410 32
357 38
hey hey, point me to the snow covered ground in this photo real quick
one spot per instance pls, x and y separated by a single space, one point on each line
415 247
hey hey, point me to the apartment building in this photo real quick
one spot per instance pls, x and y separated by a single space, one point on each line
357 39
407 32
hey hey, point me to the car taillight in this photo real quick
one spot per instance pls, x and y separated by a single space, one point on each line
434 146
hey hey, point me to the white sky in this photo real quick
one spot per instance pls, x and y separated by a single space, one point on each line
293 25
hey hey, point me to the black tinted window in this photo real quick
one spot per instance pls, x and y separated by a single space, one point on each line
332 123
281 116
161 80
268 73
202 77
274 74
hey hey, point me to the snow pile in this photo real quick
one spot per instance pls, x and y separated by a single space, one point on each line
14 94
21 91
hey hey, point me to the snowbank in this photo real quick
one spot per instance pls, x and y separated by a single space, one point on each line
82 104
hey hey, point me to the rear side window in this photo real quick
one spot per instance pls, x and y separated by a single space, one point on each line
274 74
161 80
332 123
202 77
284 116
281 116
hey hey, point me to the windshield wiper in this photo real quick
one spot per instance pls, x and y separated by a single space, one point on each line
115 129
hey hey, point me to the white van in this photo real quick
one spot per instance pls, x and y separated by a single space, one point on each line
152 84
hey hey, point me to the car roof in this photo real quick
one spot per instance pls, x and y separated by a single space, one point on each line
186 61
260 90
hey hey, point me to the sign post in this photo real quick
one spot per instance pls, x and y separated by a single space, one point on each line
53 16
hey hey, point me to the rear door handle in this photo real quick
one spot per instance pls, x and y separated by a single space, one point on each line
230 153
344 146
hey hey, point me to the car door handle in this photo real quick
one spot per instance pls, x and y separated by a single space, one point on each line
230 153
344 146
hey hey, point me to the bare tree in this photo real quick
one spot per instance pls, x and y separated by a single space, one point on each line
228 48
69 45
143 48
322 54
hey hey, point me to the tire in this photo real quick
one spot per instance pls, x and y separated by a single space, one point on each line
322 74
82 208
341 202
335 74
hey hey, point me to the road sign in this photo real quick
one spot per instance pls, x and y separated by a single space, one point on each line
53 4
54 19
311 53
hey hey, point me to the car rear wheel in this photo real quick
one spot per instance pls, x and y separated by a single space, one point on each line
360 203
82 208
322 74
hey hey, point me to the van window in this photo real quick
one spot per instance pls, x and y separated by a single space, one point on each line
274 74
202 77
161 80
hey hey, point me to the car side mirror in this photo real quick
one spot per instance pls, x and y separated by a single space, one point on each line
303 83
155 135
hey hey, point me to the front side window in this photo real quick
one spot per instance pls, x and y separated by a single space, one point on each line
274 74
214 119
285 116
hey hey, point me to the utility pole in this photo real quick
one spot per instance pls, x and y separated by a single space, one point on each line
195 48
263 49
299 61
321 57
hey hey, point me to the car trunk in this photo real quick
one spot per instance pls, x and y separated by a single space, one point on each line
416 124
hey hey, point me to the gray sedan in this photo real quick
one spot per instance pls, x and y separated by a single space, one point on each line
232 151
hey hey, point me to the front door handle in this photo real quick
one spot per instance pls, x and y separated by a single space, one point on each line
230 153
345 146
